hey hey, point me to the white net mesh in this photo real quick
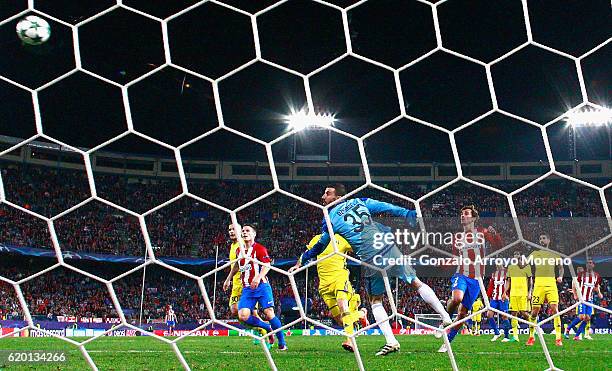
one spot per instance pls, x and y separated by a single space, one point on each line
151 258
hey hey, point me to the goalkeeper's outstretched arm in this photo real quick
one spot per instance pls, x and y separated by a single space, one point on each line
314 251
375 206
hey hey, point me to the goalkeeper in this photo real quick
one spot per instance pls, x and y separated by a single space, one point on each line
352 219
335 287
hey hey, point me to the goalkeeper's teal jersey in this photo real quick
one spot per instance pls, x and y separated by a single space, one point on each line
352 219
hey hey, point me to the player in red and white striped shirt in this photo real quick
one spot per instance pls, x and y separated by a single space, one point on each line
589 282
497 284
170 319
498 300
256 288
469 246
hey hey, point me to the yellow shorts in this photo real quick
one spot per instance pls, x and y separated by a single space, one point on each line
519 304
543 294
477 318
329 294
235 297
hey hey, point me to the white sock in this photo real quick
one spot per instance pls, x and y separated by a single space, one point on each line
430 298
379 314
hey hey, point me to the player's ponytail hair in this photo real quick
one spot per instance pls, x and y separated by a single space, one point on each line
473 209
339 188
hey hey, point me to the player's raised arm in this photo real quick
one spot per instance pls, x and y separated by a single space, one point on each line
315 250
376 206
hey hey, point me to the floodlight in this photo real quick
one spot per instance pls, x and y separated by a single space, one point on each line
590 116
301 120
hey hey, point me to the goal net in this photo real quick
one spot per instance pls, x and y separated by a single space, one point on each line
167 128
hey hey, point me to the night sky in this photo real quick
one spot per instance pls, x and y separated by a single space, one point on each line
212 40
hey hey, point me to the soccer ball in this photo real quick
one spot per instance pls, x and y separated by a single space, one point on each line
33 30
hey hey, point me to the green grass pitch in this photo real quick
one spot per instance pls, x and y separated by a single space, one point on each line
322 353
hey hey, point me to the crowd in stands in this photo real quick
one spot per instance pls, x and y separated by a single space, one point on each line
190 228
99 228
21 229
9 305
44 190
551 199
136 195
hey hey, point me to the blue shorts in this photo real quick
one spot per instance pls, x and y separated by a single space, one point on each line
469 287
170 323
502 305
585 309
375 284
262 295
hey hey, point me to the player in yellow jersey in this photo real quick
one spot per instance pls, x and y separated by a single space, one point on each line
519 283
236 283
545 286
477 318
335 287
